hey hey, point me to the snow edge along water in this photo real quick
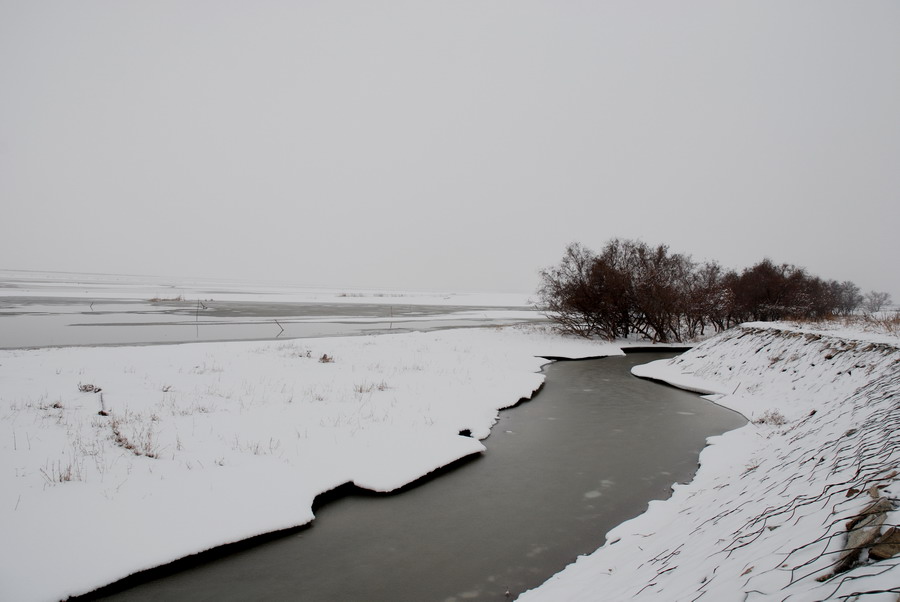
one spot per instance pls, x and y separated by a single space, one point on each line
155 453
778 508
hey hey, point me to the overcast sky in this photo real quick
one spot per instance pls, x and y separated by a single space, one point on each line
442 144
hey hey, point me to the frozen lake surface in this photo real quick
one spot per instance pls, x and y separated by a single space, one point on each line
50 322
46 309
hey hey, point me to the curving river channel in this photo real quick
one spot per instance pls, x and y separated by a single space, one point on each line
587 453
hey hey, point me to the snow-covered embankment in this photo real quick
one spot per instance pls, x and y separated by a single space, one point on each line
118 459
790 507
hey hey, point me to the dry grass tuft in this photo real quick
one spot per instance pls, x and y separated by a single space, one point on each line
878 323
141 441
771 417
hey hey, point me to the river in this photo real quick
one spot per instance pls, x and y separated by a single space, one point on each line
585 454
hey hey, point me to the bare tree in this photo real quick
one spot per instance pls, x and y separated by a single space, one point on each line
875 301
847 297
565 292
709 300
631 287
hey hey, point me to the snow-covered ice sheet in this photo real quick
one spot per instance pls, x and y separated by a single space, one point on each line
187 447
15 283
765 517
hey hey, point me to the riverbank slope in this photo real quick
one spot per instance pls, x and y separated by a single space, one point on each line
790 507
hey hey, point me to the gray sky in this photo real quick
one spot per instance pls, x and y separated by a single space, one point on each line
446 144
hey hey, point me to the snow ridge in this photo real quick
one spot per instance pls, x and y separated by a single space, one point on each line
767 514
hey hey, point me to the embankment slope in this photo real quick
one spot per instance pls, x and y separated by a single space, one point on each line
791 506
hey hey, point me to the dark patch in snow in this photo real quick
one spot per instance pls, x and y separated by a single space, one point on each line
188 562
657 349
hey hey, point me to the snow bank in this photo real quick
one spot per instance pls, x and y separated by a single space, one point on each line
119 459
766 515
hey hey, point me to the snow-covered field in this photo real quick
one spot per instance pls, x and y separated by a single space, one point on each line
118 459
768 514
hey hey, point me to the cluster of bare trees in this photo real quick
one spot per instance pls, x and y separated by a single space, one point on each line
633 288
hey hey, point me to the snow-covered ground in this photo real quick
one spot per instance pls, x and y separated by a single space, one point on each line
768 513
118 459
187 447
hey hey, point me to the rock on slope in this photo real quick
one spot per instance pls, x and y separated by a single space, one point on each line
800 504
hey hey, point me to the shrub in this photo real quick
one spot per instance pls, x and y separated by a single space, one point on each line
633 288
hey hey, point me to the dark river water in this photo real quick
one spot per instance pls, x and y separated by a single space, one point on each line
587 453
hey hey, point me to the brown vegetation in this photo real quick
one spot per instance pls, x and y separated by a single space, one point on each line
633 288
